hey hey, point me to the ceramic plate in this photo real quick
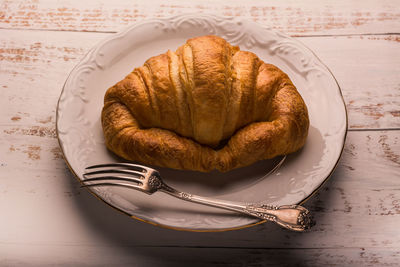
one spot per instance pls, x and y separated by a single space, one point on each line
81 138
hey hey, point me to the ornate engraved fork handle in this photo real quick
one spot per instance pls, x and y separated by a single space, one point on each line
292 217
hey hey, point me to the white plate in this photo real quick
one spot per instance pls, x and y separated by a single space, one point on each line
81 138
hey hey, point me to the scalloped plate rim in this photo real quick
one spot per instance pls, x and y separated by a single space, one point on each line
132 27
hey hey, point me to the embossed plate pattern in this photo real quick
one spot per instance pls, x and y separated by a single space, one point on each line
81 139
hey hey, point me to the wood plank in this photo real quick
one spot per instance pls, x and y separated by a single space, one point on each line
33 69
367 69
26 255
50 220
357 208
291 17
35 63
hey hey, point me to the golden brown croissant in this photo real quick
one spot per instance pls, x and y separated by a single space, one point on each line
206 106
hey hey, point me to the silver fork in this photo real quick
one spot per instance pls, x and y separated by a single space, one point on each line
148 180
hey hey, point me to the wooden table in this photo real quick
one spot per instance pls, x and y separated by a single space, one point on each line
47 219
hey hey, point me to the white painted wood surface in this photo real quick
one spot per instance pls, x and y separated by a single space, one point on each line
46 219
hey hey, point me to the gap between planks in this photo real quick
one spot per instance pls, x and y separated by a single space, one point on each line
372 129
291 35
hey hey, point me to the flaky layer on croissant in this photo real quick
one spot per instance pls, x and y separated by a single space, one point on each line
206 106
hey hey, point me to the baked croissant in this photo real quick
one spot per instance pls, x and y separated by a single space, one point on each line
206 106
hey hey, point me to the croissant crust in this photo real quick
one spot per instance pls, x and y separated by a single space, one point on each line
206 106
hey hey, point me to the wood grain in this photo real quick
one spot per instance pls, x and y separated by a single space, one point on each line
358 207
366 68
47 219
198 256
291 17
35 64
357 214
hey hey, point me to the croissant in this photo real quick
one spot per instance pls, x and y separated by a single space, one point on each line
206 106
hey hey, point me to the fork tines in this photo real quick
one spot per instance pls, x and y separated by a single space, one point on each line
112 174
124 165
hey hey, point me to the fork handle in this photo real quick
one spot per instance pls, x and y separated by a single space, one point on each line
292 217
